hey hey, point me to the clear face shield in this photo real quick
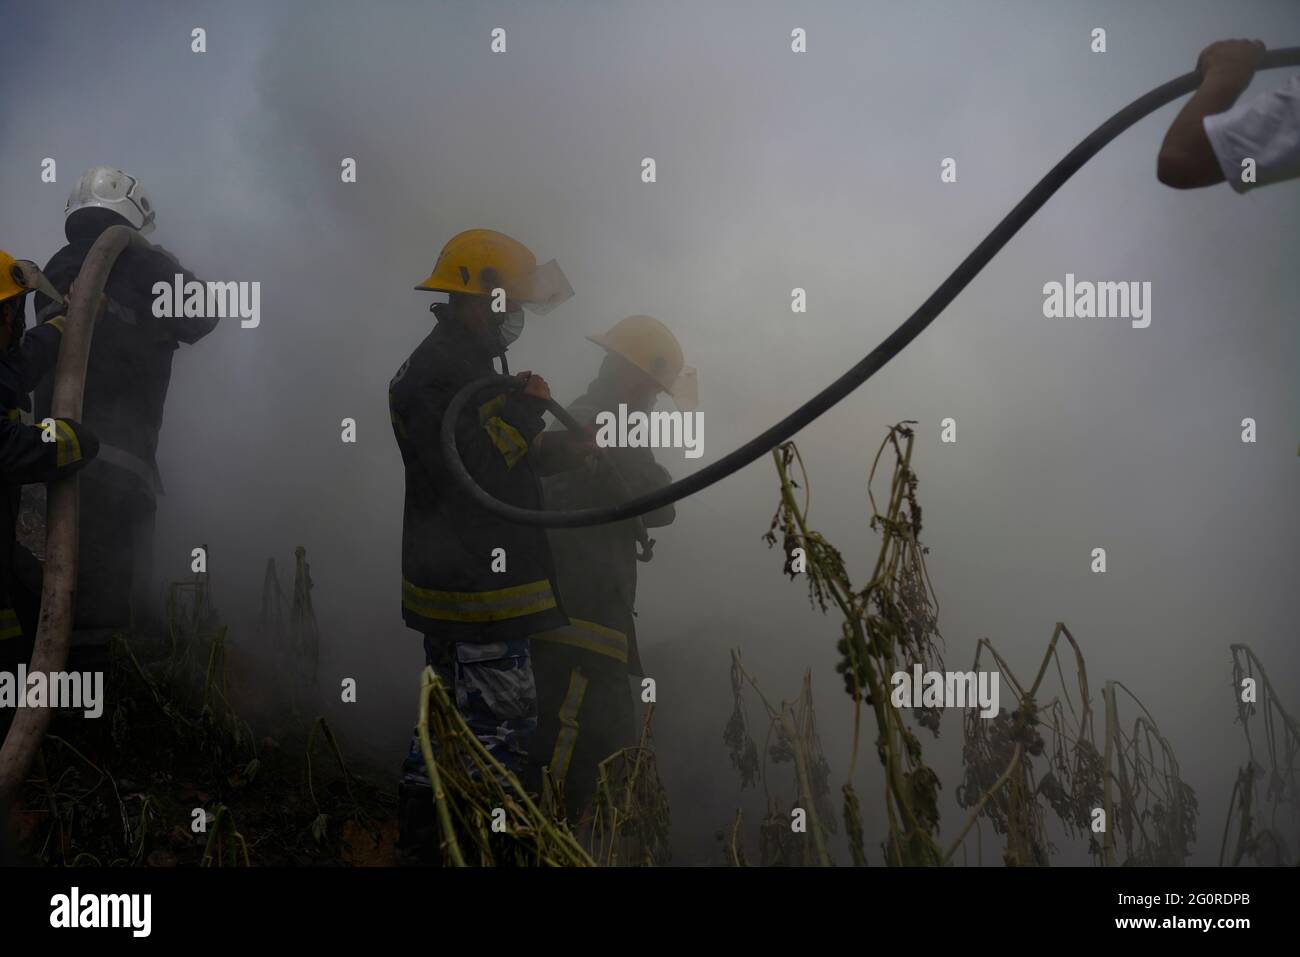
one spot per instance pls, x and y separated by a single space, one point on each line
686 390
545 289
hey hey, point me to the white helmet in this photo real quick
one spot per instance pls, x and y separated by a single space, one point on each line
113 189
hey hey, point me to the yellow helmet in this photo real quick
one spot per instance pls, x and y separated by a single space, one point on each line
10 280
649 345
478 261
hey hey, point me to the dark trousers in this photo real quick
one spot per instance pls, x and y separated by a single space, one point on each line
585 714
114 541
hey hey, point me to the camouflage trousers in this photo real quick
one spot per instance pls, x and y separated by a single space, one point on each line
494 690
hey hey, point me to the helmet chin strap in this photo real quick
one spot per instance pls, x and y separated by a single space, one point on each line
501 346
442 310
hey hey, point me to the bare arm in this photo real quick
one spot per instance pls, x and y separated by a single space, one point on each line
1186 158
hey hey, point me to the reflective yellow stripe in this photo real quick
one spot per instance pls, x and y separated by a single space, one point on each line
57 322
497 605
508 440
491 407
13 414
69 449
589 636
9 625
567 739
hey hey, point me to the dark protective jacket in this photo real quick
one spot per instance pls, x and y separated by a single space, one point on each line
130 363
596 567
25 455
449 587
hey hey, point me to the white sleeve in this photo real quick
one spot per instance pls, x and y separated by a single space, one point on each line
1265 129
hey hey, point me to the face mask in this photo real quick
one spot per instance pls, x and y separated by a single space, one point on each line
511 327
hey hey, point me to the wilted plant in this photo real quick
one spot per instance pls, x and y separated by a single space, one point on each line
630 821
1001 782
293 645
99 797
304 632
484 815
736 735
270 623
1155 814
352 809
226 846
792 736
191 614
1262 833
733 841
1132 789
889 626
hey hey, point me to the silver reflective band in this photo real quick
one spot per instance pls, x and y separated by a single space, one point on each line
122 459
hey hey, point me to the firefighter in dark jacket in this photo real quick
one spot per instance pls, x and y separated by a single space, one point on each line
126 387
585 708
474 585
28 453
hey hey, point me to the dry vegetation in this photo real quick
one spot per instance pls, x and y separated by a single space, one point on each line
1054 764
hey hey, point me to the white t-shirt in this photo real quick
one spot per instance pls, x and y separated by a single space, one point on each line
1265 129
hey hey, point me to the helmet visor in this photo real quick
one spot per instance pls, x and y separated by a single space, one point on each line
546 288
686 390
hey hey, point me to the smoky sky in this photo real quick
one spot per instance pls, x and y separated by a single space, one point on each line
775 171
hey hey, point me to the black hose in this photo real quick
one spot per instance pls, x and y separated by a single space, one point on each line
860 373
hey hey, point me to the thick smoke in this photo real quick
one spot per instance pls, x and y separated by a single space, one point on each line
774 172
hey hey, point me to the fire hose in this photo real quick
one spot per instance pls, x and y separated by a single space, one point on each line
53 632
60 578
607 468
876 360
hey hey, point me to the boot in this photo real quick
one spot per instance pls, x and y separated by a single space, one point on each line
417 838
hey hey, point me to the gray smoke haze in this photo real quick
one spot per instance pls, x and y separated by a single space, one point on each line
774 171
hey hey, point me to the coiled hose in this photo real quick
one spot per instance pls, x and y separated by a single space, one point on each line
860 373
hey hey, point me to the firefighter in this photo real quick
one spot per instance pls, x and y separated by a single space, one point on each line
585 707
127 377
28 453
474 585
